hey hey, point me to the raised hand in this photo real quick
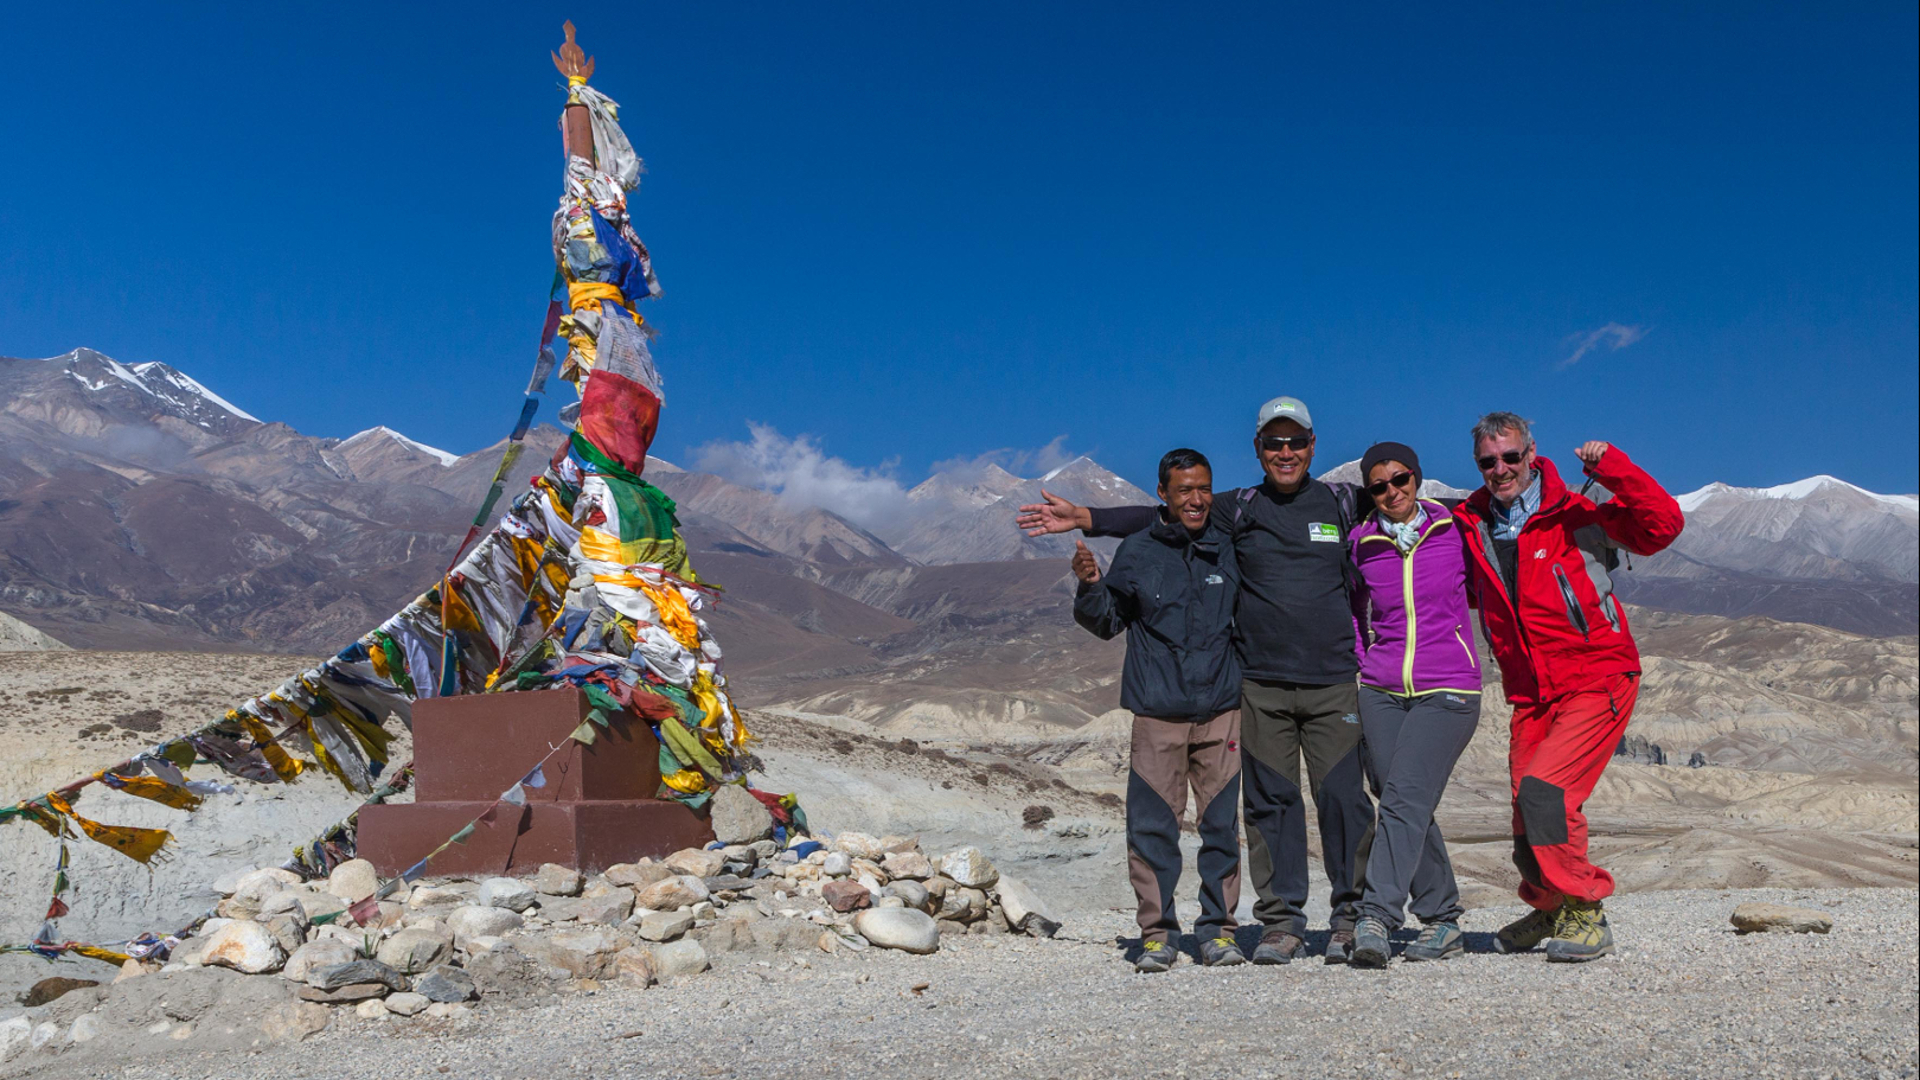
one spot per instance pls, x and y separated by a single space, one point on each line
1085 567
1056 515
1590 451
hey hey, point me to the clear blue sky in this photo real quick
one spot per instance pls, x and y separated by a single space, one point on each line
918 232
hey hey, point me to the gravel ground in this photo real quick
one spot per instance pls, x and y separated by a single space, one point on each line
1684 997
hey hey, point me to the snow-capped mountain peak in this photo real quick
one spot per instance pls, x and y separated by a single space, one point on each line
1799 490
159 389
384 432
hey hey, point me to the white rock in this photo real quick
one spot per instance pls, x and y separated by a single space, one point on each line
427 897
696 862
485 943
318 953
684 957
245 946
352 939
1024 909
737 817
15 1034
407 1004
556 880
371 1009
474 921
414 951
859 846
450 1010
44 1032
257 885
505 892
838 864
665 925
674 892
969 866
907 864
898 928
86 1028
353 880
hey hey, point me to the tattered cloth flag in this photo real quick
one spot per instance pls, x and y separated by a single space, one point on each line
152 787
620 407
138 844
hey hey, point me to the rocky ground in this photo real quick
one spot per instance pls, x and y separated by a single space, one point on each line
1684 997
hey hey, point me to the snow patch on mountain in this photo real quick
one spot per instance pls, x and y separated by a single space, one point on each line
1799 489
192 386
383 431
183 395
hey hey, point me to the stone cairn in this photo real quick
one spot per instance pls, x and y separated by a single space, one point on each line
445 946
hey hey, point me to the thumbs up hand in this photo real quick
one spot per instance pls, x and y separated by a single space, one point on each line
1085 567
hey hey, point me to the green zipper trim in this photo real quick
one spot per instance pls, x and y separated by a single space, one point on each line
1406 587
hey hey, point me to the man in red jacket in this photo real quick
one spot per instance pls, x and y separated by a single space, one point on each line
1542 555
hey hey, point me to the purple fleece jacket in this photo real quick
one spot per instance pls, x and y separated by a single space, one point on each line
1426 587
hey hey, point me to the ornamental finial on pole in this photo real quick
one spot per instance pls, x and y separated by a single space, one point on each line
576 65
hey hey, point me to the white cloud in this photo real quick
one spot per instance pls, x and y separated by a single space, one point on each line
1614 336
803 475
1023 463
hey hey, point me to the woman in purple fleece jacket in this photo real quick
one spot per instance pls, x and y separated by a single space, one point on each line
1419 701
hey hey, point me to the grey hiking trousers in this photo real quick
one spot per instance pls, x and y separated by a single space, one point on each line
1412 744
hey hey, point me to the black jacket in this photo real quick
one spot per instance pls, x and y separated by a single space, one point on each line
1294 619
1174 594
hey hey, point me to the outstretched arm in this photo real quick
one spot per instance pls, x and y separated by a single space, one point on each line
1641 516
1057 515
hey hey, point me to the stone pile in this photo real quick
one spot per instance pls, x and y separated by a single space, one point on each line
438 948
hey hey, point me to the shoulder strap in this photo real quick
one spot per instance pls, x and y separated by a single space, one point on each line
1240 505
1349 507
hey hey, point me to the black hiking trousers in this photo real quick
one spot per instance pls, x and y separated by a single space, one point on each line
1281 723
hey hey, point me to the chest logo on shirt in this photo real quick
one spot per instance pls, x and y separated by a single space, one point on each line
1322 533
1216 579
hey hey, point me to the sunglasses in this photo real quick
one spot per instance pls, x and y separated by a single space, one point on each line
1278 442
1379 487
1511 457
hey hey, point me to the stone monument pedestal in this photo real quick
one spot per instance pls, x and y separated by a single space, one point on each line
596 809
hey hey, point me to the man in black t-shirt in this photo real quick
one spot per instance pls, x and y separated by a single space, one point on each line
1295 634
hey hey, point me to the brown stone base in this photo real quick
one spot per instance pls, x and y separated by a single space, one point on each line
590 835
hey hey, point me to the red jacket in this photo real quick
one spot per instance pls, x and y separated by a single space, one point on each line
1568 630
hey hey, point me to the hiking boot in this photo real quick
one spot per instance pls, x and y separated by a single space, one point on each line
1581 934
1437 942
1370 948
1278 946
1526 932
1155 957
1340 945
1220 952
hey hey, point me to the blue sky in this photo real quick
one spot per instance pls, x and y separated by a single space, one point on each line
914 233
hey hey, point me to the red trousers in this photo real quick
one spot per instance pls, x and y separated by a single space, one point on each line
1555 758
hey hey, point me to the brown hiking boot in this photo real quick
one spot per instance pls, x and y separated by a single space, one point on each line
1340 945
1278 946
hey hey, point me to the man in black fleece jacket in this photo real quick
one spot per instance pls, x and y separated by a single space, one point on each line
1172 589
1294 635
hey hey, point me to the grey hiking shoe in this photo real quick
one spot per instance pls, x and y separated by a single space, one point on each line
1370 948
1437 942
1581 934
1220 952
1526 932
1340 945
1278 946
1155 957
